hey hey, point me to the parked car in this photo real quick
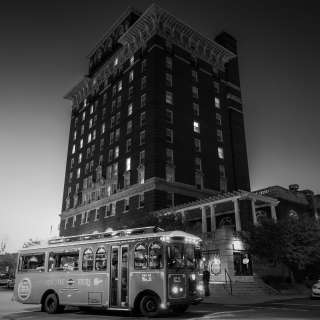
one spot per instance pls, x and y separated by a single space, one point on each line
10 283
4 279
315 290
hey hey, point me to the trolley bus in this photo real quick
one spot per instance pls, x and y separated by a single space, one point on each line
146 270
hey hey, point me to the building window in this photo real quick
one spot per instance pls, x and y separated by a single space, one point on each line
222 171
71 163
143 65
119 99
195 93
197 145
119 86
195 107
129 127
128 145
91 109
70 176
83 115
131 60
131 76
126 205
142 119
82 129
112 122
169 116
169 156
143 82
128 164
130 94
194 75
116 61
218 119
219 135
86 169
126 179
130 107
141 175
110 155
101 160
216 86
198 165
96 215
117 135
104 98
117 118
111 137
169 80
80 157
81 143
169 135
94 133
143 100
169 97
103 128
142 156
217 102
78 173
141 200
116 152
196 126
169 63
114 90
104 111
75 135
73 149
169 174
113 106
220 153
90 123
199 180
142 137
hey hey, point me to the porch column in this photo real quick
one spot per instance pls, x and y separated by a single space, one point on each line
254 213
204 220
213 217
273 212
237 215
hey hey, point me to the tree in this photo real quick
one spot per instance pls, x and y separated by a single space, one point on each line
293 242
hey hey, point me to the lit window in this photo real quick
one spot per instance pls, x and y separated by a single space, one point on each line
168 80
82 130
116 61
168 63
75 135
217 102
195 107
169 156
78 173
197 162
119 86
219 135
91 109
197 145
73 149
90 123
142 119
220 153
142 137
169 135
103 128
117 134
80 158
83 115
169 173
218 119
94 133
128 164
116 152
195 93
128 145
195 75
196 126
130 107
169 116
132 61
129 127
169 97
142 156
143 100
141 175
131 76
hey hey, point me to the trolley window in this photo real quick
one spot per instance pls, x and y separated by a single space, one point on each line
101 259
140 256
87 260
32 262
155 255
64 261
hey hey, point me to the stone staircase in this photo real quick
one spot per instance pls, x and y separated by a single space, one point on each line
253 288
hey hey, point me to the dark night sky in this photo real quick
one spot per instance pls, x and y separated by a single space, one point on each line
42 55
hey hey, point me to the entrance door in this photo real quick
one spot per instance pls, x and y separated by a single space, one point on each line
119 277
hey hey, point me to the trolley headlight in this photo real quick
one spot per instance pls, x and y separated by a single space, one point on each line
175 290
200 287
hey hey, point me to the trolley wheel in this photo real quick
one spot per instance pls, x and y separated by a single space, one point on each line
179 308
149 305
51 304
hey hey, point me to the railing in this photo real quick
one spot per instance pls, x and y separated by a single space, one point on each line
227 280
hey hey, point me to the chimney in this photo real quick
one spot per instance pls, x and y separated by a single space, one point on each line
294 187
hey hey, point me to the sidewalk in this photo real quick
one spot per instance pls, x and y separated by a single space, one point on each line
252 299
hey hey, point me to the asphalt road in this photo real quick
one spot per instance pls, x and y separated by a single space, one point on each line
289 309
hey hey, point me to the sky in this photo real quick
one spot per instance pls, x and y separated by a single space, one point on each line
43 52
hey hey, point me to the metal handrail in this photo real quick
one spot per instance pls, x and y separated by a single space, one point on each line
226 278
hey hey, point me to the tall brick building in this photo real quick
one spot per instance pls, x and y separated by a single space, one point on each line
157 121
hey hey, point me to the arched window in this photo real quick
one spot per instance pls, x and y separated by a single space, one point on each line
155 255
101 259
140 256
87 260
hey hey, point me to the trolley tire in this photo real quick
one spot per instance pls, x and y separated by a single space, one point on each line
179 308
51 304
149 305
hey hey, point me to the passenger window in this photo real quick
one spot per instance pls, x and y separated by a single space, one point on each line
140 256
101 259
155 255
64 261
87 260
32 262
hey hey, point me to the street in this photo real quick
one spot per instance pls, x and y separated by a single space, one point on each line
289 309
